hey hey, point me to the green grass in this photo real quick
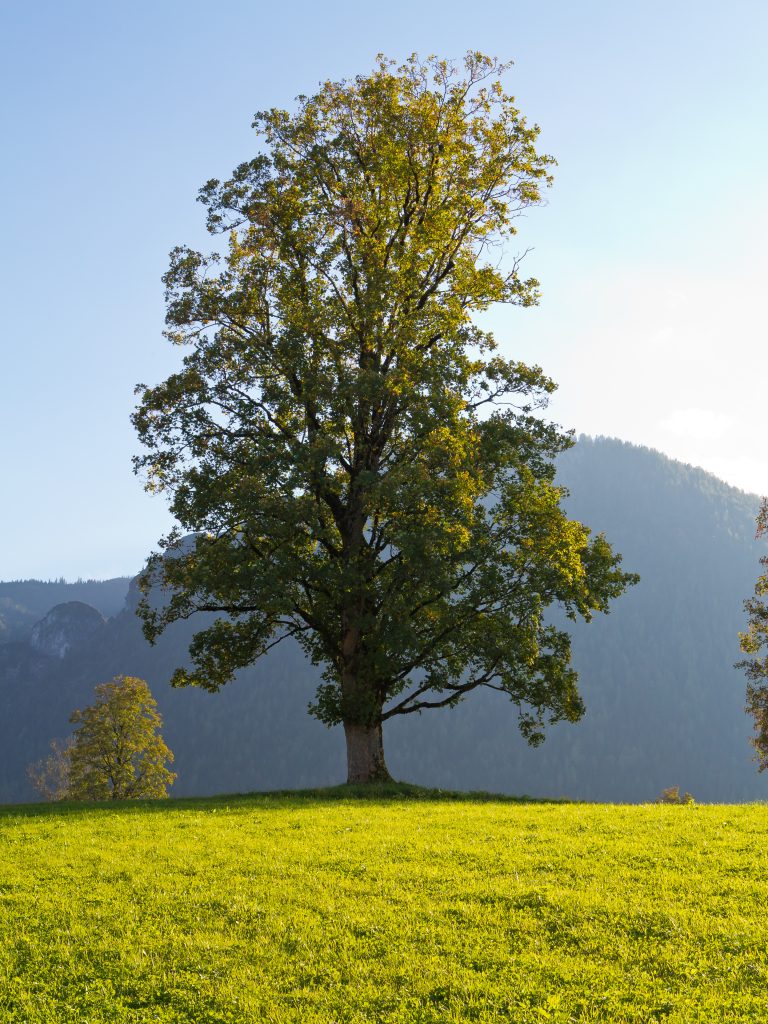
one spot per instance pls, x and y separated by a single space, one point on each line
407 906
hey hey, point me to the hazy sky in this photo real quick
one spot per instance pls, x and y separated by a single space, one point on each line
650 251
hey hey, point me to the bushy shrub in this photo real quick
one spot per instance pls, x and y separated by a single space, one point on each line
672 796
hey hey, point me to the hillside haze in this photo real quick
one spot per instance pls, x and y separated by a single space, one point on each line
25 602
664 703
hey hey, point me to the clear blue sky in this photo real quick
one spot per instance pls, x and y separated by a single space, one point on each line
651 250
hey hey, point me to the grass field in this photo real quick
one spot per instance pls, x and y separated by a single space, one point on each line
333 908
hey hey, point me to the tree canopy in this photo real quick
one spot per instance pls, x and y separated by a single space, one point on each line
117 752
754 642
361 467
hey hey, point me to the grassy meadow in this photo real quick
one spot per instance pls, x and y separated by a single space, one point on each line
407 908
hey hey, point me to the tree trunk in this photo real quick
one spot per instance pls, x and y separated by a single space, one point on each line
365 753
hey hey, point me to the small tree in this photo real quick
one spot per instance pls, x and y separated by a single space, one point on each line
754 642
50 775
117 751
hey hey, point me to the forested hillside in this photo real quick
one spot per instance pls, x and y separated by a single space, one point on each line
24 602
664 704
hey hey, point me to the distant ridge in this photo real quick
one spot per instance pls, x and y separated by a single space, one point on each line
24 602
606 439
664 703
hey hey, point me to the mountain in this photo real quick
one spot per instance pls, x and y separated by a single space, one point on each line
24 602
664 703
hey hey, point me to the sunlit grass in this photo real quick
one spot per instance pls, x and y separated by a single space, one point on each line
403 907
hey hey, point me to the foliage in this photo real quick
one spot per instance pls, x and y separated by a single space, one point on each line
672 796
117 751
363 470
299 909
754 642
50 775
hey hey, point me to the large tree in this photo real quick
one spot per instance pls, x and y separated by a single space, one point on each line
362 469
754 643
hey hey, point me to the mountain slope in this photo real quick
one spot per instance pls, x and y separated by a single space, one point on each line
664 704
24 602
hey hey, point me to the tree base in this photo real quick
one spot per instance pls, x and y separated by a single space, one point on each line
365 754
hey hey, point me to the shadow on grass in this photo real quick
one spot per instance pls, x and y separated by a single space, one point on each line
279 798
